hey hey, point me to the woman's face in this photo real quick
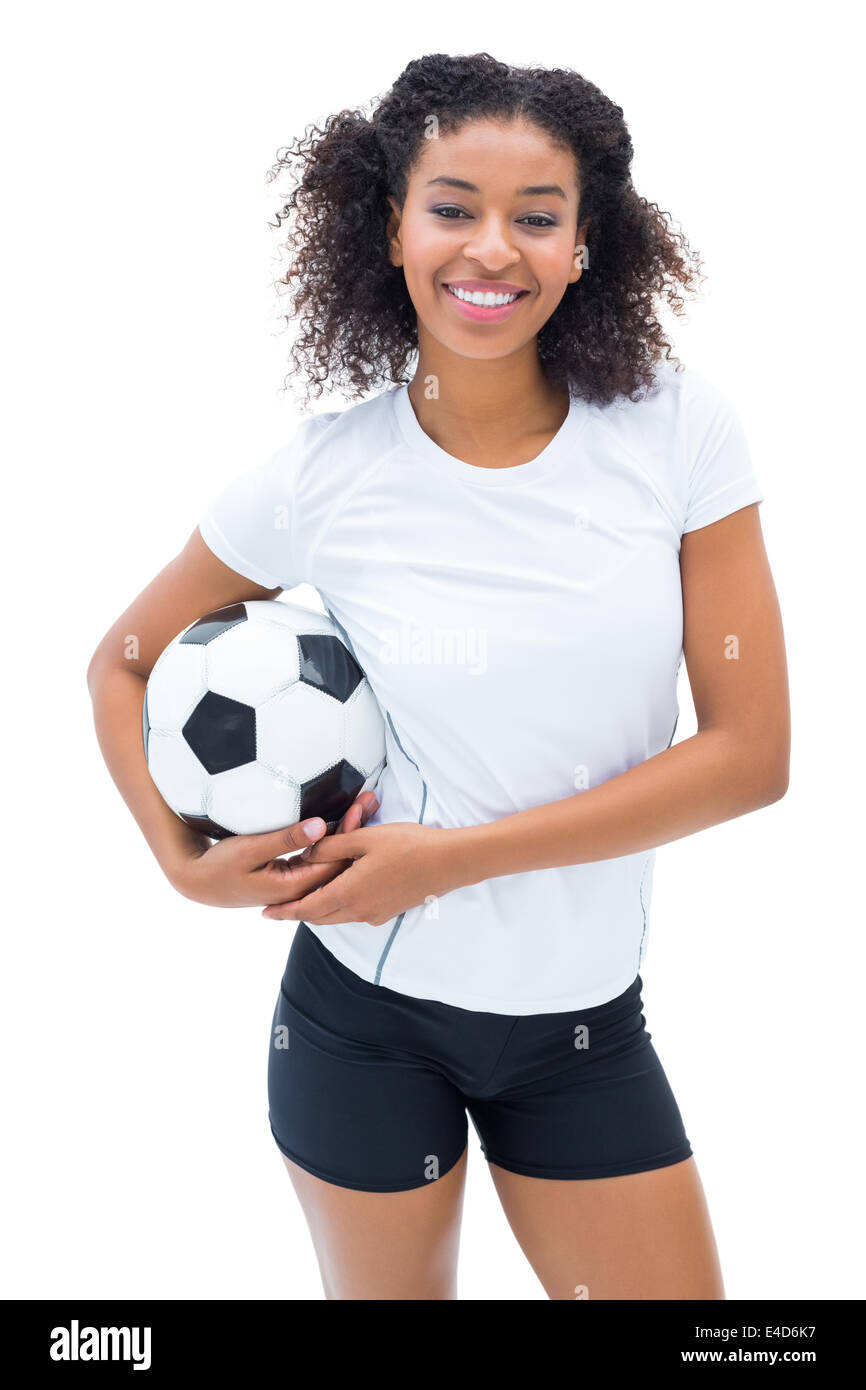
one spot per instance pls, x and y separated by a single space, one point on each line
491 208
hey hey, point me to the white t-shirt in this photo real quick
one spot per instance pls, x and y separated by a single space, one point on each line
522 630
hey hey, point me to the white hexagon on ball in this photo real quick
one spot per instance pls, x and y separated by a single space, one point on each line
299 732
175 686
250 799
290 615
177 772
251 661
364 729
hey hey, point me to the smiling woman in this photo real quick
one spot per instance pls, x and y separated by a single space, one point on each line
357 314
526 236
547 480
494 218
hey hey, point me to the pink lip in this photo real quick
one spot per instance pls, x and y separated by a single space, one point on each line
479 312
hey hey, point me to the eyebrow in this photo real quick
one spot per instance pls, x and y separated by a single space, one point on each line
535 190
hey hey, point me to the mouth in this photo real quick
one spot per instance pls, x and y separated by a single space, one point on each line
484 303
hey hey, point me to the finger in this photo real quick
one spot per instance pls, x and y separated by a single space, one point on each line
352 819
272 843
324 900
298 871
330 919
306 876
359 812
348 846
296 880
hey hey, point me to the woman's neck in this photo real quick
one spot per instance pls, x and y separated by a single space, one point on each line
492 414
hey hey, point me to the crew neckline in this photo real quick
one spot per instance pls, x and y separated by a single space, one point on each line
519 473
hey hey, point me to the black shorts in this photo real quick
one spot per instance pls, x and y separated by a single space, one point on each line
369 1088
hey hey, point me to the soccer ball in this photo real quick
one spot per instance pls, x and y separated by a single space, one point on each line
257 716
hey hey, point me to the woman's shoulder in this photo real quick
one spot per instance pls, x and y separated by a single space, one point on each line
359 417
680 402
673 383
332 448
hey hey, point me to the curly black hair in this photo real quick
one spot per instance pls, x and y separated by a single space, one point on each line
357 326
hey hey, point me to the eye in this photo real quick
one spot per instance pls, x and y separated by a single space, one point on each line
536 219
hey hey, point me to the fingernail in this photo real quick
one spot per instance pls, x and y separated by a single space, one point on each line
314 827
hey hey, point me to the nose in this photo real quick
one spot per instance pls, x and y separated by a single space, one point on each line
490 245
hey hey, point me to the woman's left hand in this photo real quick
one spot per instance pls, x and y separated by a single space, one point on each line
396 866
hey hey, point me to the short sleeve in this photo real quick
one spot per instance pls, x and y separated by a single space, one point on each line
721 476
252 525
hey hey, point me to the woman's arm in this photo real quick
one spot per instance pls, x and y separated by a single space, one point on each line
193 583
240 871
737 761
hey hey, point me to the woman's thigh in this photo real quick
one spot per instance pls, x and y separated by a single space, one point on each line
371 1129
591 1160
642 1236
385 1245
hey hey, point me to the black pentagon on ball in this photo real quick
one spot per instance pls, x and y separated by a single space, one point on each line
331 793
212 624
328 665
221 732
207 826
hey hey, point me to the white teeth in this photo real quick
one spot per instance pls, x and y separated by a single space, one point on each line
487 300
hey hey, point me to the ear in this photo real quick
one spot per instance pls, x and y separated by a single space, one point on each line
392 231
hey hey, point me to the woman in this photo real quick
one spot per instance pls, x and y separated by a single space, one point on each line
519 546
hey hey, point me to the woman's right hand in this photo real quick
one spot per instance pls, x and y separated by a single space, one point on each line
245 870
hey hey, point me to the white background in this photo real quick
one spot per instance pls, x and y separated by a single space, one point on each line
144 358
